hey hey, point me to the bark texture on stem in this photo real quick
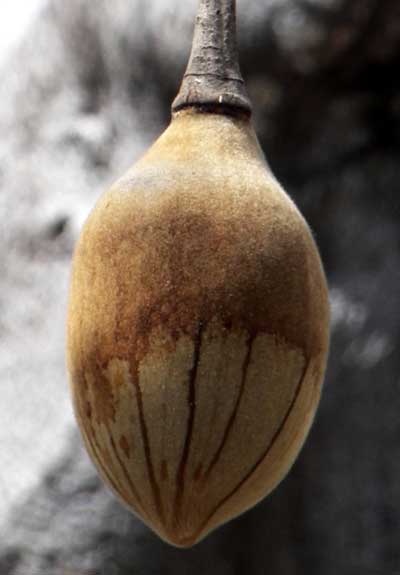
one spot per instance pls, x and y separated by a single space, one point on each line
213 79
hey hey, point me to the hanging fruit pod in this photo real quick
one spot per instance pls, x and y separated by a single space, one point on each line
198 316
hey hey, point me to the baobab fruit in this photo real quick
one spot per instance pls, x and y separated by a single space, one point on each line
198 315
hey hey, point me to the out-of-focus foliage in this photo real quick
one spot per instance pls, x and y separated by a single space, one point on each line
86 93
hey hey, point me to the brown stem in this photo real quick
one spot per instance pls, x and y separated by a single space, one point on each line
213 80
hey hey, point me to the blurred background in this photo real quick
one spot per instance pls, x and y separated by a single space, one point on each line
85 88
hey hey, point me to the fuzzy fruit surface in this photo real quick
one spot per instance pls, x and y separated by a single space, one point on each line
198 329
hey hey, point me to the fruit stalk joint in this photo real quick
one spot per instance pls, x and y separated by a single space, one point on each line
213 79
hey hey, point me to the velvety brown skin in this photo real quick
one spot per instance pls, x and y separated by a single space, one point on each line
197 330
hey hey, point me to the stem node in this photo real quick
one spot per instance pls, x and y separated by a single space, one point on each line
212 79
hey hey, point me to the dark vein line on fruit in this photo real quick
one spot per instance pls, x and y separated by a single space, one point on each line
91 438
180 475
143 427
228 429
